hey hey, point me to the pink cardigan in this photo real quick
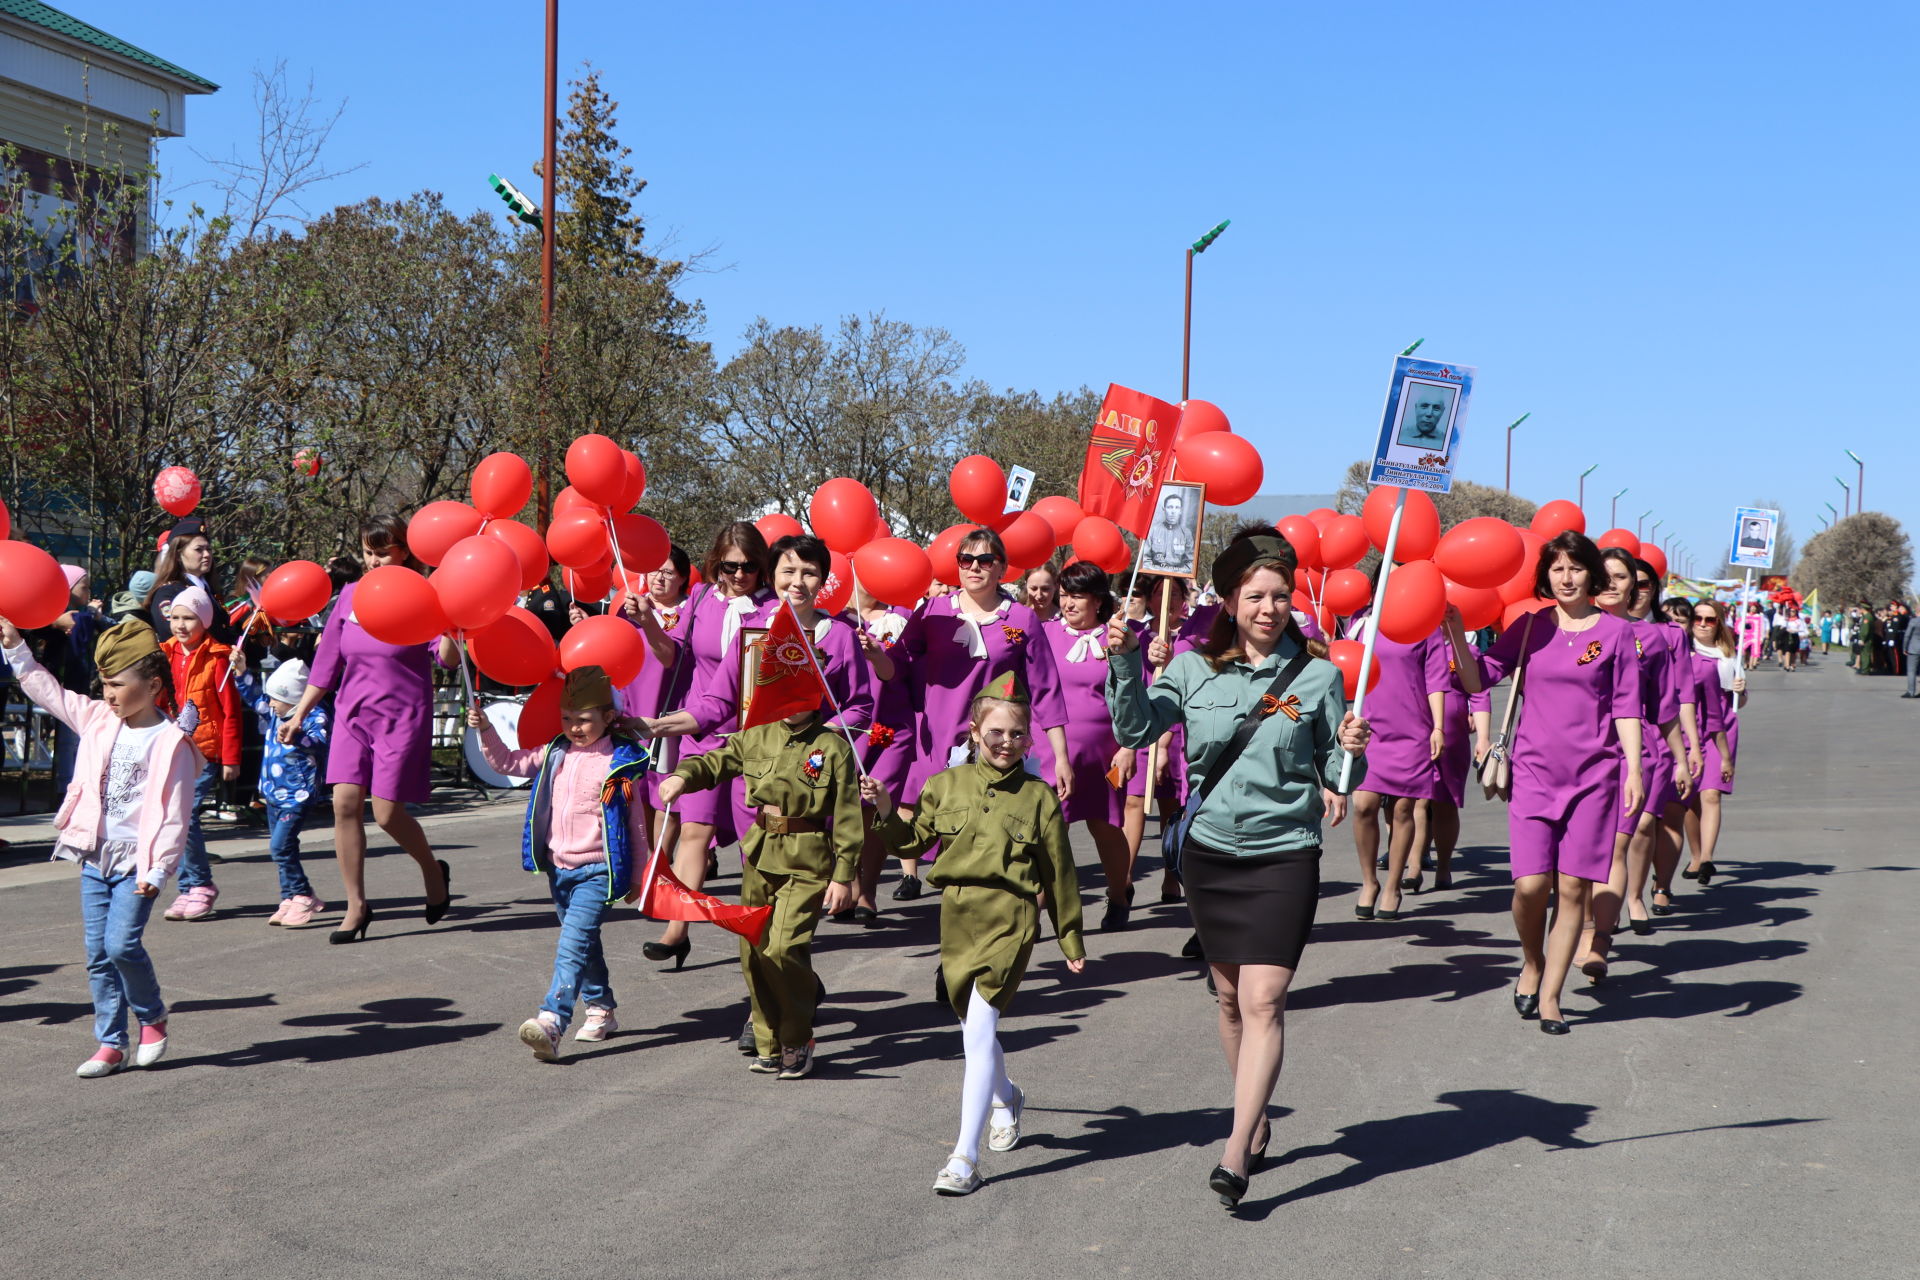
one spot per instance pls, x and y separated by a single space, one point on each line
173 764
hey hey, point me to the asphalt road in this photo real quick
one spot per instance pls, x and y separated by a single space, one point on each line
1736 1101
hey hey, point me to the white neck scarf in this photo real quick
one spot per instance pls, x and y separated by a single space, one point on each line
1088 646
738 607
970 629
886 629
1728 668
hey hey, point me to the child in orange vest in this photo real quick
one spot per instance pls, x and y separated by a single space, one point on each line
200 676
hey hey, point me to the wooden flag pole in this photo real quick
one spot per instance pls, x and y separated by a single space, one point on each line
1161 623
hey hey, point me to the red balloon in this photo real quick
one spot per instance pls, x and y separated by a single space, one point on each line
571 499
1063 516
1621 538
1097 540
178 490
397 606
477 581
1479 606
1346 655
588 585
437 526
881 529
1029 542
1347 592
842 513
1228 465
1198 417
1419 523
502 483
1323 616
578 539
895 571
33 590
643 543
1304 537
1654 556
305 463
1521 608
1520 586
836 593
1320 516
540 715
296 591
516 648
1414 603
634 485
776 525
943 550
612 644
1482 552
1343 543
598 468
1557 517
6 521
528 549
979 489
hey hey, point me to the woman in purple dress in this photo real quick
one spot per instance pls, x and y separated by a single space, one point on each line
1469 734
1576 761
1655 846
382 735
1407 709
1040 591
1099 763
951 648
886 752
662 616
1716 656
1168 764
737 569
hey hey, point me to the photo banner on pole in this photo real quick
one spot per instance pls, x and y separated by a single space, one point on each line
1426 409
1754 531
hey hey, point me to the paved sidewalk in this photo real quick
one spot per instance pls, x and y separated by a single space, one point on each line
1733 1103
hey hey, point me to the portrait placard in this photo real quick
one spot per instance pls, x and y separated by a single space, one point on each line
752 641
1172 544
1420 427
1754 529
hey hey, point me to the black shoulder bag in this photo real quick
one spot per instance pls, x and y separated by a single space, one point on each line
1173 840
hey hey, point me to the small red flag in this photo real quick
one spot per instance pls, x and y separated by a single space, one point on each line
1128 458
666 898
787 679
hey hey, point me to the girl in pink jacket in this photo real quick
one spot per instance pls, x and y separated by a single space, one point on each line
124 820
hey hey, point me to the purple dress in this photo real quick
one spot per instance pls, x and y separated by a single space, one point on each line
1687 689
659 688
1400 756
1567 761
844 664
1080 657
707 639
943 676
382 708
893 706
1659 704
1173 761
1716 713
1456 758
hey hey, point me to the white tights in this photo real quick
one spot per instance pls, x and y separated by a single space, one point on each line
985 1086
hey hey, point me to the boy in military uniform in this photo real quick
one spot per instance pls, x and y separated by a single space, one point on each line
802 853
1003 844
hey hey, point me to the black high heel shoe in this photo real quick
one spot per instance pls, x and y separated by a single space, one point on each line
1258 1156
1228 1185
1706 873
659 952
1641 928
436 911
1657 908
1527 1007
1554 1026
355 934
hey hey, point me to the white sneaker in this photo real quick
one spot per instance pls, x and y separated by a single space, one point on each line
104 1063
949 1183
148 1052
1004 1137
600 1023
541 1034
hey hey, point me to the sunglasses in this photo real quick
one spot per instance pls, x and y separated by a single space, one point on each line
737 566
985 560
1708 618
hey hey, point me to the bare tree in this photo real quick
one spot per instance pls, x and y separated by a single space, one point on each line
1865 558
264 189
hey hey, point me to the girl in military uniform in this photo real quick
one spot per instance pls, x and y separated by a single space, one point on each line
1003 844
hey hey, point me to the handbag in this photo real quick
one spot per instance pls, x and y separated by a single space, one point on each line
1496 768
1174 838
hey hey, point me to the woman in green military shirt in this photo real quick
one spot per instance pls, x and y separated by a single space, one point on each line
799 775
1002 845
1251 859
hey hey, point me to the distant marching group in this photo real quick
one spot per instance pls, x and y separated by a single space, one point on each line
963 738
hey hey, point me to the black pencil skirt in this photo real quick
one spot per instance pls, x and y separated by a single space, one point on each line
1255 910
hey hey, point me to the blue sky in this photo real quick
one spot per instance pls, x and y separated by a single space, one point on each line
1679 235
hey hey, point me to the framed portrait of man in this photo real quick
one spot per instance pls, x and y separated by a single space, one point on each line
1426 415
1172 544
1754 532
1421 424
752 641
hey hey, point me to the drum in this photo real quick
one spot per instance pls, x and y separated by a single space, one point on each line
505 715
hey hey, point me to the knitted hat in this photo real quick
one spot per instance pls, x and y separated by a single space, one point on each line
195 600
1238 556
288 681
120 647
587 689
141 582
73 573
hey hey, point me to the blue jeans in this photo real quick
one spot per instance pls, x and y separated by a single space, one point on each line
283 836
118 967
579 966
195 871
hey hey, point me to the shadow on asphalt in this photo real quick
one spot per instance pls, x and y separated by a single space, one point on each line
1121 1132
378 1027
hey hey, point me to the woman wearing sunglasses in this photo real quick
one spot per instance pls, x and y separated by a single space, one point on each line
949 651
735 595
1717 657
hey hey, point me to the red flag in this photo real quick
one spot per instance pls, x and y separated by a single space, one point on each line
787 679
665 898
1128 458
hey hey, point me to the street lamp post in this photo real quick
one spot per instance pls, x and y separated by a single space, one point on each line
1580 497
1836 514
1186 334
1846 501
1613 516
1859 493
1510 426
1639 522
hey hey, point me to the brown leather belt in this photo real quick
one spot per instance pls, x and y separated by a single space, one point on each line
789 826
